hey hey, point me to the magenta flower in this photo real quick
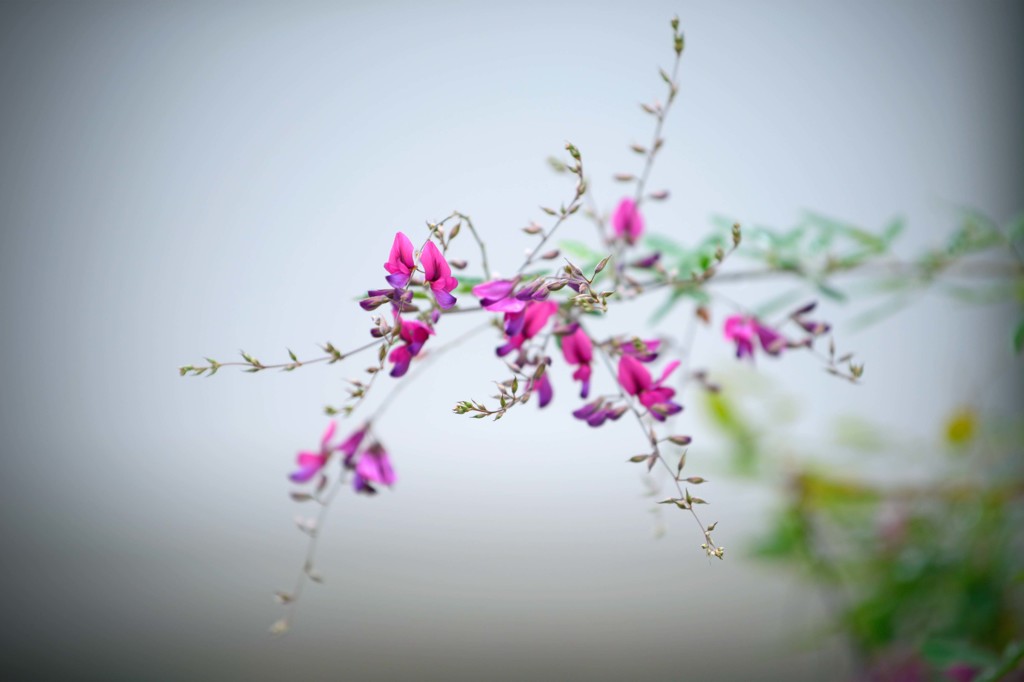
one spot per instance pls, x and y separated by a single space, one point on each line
438 275
627 222
351 444
374 466
496 296
578 350
742 331
525 325
414 334
654 395
310 463
543 388
644 351
401 263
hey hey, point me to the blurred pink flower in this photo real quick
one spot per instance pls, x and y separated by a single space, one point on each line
374 466
627 222
742 330
496 296
636 381
578 350
310 463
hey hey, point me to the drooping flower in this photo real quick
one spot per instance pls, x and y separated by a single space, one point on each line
310 463
812 327
401 299
496 296
578 350
527 324
414 333
438 275
654 395
401 263
351 445
742 331
374 466
598 412
627 222
543 388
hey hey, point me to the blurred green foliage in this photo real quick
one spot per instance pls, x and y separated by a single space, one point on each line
924 569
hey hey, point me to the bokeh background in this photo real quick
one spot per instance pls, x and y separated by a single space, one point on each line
187 179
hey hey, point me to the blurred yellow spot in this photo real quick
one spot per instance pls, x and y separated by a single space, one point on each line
961 425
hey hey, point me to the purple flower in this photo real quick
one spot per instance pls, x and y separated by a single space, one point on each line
742 331
654 395
414 334
543 388
374 466
310 463
627 222
648 261
438 275
401 262
496 296
598 412
525 325
644 351
401 299
351 445
578 350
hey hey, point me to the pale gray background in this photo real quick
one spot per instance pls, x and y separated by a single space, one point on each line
186 179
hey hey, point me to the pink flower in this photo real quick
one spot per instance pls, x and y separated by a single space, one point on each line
374 466
351 444
496 296
401 262
438 275
654 395
310 463
525 325
414 334
578 350
627 222
742 331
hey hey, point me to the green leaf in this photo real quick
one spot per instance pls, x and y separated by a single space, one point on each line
666 307
830 292
893 230
945 652
728 420
579 251
466 283
1018 338
669 248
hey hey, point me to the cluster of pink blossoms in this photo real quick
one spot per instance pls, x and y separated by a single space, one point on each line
527 313
744 329
371 464
401 266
